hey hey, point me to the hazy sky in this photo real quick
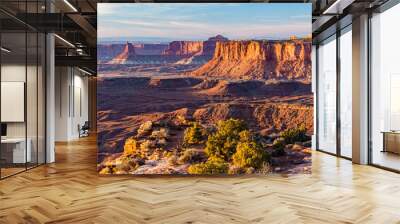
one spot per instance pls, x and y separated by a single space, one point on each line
200 21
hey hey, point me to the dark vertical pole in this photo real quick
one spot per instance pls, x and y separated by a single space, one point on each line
45 88
338 74
69 93
60 95
37 88
316 97
26 85
73 91
369 100
95 103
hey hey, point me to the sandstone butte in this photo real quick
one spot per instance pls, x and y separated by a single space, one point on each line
282 60
127 54
279 60
191 48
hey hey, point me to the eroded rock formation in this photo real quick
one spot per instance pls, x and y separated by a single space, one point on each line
128 54
274 117
194 48
282 60
184 48
108 51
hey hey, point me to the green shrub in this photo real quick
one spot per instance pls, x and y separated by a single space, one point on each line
147 148
279 143
130 146
278 147
126 165
160 134
193 135
295 135
248 152
190 156
105 170
231 126
246 136
223 143
157 154
145 128
167 154
214 165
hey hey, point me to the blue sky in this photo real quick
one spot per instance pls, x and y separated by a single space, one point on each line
200 21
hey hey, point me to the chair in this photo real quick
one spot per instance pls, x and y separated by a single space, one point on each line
84 130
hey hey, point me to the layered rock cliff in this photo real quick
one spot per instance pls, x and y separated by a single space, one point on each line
106 52
150 49
184 48
194 48
281 60
209 45
128 54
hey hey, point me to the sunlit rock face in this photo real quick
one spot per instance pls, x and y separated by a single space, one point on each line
282 60
128 54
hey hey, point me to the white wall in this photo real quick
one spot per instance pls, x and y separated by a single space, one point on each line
14 73
62 82
71 102
80 105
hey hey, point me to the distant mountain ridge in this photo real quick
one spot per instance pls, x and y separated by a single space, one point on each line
106 52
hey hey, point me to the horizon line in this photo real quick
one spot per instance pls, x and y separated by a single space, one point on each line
131 39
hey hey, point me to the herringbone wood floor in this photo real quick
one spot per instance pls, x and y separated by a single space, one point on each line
70 191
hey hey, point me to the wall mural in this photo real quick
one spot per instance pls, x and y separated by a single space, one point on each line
204 88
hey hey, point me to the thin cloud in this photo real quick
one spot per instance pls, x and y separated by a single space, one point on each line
200 21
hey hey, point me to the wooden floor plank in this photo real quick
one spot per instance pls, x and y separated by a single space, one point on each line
70 191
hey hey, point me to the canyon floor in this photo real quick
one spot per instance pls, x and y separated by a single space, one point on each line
126 102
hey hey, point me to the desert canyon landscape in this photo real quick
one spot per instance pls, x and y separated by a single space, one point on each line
217 106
